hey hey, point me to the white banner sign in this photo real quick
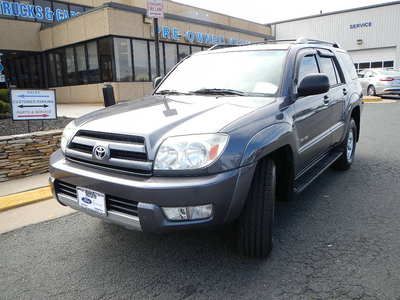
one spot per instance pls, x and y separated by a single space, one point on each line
33 104
155 9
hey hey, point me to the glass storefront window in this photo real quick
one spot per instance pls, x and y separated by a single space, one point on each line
103 60
171 56
51 70
93 62
141 60
106 59
81 63
183 51
59 60
153 59
123 59
196 49
70 66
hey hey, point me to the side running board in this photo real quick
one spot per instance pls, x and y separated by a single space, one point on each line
308 177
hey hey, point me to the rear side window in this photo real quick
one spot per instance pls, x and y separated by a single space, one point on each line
307 66
347 65
327 67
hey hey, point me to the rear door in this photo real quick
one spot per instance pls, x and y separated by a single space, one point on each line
312 119
337 95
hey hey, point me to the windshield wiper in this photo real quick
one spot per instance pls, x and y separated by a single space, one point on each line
219 92
171 92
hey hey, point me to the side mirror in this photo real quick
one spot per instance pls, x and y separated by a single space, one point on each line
156 81
313 84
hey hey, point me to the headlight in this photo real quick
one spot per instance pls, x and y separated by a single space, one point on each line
68 133
190 152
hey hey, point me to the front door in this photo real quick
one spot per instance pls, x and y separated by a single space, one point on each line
312 120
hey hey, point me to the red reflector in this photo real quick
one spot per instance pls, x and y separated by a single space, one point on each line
387 79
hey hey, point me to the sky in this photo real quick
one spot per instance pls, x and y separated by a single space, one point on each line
266 11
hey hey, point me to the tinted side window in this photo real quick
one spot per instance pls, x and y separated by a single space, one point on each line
347 65
326 65
307 66
339 75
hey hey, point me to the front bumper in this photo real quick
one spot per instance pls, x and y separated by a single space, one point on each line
227 192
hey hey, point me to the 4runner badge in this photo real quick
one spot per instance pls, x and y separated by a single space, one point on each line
101 152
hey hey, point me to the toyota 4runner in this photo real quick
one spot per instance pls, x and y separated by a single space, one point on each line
225 134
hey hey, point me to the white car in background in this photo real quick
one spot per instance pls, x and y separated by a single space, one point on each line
376 82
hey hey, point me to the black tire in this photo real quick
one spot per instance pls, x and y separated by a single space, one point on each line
345 161
255 224
371 91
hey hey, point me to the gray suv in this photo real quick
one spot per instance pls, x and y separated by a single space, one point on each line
225 134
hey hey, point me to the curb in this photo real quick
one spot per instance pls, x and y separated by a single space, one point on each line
372 99
25 198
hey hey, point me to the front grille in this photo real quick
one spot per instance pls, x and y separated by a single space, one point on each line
65 188
113 203
122 205
127 153
112 136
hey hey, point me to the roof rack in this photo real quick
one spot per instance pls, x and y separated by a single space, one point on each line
303 40
221 46
300 40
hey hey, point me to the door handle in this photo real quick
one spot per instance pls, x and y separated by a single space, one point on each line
344 92
326 99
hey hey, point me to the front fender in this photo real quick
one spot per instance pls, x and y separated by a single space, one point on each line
268 140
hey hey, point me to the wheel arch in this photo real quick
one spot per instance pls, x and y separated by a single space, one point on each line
356 115
275 142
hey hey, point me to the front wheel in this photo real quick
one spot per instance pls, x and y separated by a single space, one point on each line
254 234
348 147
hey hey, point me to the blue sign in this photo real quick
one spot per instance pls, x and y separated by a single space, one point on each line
1 67
30 11
361 25
174 34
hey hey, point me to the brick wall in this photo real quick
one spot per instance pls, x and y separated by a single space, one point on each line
27 154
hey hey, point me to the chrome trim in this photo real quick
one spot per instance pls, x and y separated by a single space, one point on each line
112 162
90 164
321 136
131 222
131 147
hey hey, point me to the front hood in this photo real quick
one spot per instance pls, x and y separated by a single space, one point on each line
157 117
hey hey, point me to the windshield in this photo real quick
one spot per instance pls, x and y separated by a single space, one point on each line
237 73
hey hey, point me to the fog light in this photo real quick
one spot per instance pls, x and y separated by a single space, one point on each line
188 212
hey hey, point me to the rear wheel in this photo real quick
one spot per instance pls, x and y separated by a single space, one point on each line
348 147
254 234
371 91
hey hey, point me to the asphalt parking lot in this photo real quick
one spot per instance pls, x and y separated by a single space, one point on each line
339 239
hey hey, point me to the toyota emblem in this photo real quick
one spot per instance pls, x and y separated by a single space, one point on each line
101 152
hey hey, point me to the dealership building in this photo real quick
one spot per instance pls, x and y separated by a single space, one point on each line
76 46
371 34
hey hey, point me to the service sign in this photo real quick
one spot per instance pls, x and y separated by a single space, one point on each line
155 9
33 104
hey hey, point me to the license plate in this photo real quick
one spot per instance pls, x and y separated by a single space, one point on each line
91 200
